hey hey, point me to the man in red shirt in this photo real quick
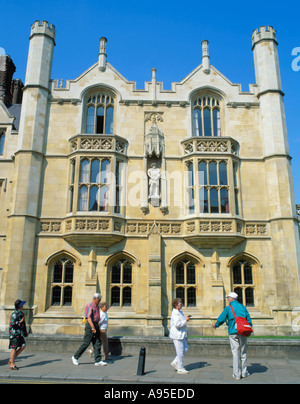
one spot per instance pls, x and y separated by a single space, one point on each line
92 332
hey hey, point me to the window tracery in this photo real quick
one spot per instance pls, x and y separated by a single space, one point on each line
62 283
206 116
121 283
100 114
185 282
243 282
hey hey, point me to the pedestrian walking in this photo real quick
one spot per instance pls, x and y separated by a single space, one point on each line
92 332
103 324
178 334
238 343
17 333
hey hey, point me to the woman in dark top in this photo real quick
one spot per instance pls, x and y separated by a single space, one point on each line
17 333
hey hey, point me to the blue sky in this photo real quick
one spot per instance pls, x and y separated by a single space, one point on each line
166 35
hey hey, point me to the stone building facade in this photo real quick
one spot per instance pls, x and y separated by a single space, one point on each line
148 194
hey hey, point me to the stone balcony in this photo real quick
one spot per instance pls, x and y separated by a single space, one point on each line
208 145
103 143
84 230
107 230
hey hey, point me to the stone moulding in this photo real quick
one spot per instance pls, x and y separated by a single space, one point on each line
113 225
201 144
103 143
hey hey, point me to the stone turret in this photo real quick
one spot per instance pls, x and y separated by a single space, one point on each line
264 46
28 166
42 42
277 162
37 85
267 73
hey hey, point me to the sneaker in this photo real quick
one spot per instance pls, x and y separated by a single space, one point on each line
75 361
236 377
182 371
174 364
245 374
101 363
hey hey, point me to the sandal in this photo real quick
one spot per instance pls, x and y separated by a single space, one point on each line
14 368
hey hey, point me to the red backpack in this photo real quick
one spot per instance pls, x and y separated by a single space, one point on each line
242 325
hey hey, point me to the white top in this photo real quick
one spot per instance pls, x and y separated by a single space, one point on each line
178 325
103 323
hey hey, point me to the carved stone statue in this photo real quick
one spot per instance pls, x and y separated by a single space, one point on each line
154 138
154 175
154 182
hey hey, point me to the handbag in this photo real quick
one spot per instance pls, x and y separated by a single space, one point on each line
242 325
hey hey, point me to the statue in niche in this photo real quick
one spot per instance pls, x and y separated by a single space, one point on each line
154 162
154 138
154 177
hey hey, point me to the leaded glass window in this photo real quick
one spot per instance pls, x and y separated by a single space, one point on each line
242 282
121 283
62 283
213 186
206 112
185 282
94 184
100 114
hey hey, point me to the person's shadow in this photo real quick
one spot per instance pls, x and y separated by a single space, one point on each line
41 363
20 358
196 365
257 368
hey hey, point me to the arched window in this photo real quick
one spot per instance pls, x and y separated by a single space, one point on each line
62 283
243 283
206 112
121 283
2 141
100 114
185 282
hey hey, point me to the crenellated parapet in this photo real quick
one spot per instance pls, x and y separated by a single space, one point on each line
40 55
267 73
263 33
43 28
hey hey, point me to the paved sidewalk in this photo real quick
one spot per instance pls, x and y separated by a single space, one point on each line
45 367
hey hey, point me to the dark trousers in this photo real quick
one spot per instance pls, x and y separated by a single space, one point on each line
90 337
